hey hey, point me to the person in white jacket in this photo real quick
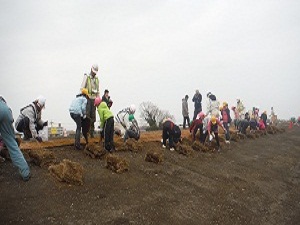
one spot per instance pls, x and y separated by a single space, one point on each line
213 105
30 120
122 119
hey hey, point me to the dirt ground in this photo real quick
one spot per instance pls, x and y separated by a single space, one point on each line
249 182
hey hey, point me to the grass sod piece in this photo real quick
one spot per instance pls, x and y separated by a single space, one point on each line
116 163
41 157
154 156
95 151
67 171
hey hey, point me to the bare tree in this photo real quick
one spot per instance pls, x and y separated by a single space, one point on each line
153 115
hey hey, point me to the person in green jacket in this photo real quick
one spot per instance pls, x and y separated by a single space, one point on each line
106 125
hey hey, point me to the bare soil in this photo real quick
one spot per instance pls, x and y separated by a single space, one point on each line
253 181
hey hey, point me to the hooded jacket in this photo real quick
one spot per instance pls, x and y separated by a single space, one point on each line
104 113
78 105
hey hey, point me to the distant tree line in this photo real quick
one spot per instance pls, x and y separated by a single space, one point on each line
153 115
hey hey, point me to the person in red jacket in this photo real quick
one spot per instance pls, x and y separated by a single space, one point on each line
212 129
196 125
225 113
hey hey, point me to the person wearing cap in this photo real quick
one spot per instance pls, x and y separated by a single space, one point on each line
172 132
185 111
91 83
213 105
106 125
212 130
106 98
77 111
225 113
30 120
8 137
196 125
197 99
122 119
133 130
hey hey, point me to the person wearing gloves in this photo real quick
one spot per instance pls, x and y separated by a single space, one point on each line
225 113
197 99
172 132
29 121
123 119
8 136
212 130
196 125
213 105
78 113
106 125
91 83
133 131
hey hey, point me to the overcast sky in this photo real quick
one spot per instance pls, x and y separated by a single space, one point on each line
154 51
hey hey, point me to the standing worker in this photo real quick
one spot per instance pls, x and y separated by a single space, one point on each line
185 111
91 83
197 99
8 136
226 121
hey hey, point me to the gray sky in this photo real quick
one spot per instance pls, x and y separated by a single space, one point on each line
154 51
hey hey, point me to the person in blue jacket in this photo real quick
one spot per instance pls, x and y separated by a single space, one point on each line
78 113
8 136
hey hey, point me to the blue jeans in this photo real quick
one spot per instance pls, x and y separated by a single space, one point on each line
77 119
8 136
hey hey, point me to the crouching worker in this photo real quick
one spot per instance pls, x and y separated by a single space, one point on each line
171 132
8 137
196 125
78 114
106 125
212 130
133 130
29 121
122 119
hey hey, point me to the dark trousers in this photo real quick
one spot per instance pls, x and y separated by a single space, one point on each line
217 138
168 134
196 111
109 134
131 134
77 119
243 125
91 113
23 127
186 119
203 137
226 126
198 127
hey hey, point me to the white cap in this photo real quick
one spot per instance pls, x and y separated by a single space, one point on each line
95 68
41 100
132 109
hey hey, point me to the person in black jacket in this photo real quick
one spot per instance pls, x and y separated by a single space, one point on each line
264 117
106 98
171 132
197 99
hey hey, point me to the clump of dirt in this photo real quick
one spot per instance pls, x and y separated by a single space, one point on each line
41 157
186 141
154 156
184 149
133 145
116 163
251 135
241 136
234 137
68 171
95 151
199 147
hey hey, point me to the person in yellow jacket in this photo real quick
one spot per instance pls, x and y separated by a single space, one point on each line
106 125
91 83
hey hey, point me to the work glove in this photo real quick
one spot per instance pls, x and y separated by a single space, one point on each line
210 137
45 124
84 116
101 129
39 139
